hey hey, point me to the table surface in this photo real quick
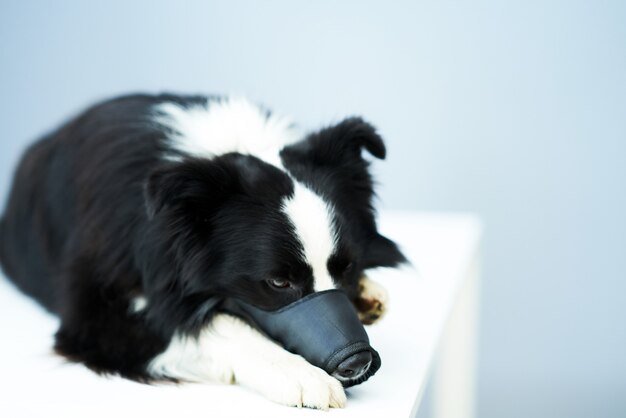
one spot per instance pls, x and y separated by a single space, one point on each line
441 248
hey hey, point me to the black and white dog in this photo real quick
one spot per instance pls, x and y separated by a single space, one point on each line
127 218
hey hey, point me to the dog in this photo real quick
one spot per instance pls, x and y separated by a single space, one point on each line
127 218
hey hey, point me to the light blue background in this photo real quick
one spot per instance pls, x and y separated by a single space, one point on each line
514 110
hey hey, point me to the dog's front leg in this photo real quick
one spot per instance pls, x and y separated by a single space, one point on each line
231 351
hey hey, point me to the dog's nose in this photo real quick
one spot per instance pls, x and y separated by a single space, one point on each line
354 366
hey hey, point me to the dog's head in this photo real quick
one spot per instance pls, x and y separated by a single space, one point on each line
238 226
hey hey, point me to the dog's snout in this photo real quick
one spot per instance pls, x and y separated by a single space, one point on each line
354 366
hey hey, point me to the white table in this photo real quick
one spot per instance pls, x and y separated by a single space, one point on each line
430 329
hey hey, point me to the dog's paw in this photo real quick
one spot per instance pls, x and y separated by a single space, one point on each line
371 304
293 381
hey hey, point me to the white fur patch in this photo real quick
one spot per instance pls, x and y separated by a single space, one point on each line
229 350
139 303
313 221
229 125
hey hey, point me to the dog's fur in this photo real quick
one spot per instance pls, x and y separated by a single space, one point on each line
129 217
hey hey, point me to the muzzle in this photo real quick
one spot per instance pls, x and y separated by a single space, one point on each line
322 327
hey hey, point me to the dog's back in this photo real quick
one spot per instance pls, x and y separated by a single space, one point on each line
29 234
82 178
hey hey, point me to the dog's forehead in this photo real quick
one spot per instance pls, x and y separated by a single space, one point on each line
313 222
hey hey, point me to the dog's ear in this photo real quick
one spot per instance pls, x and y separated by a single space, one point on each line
200 185
337 144
331 161
382 252
187 183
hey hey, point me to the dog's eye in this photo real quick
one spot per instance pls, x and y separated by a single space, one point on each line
348 267
279 284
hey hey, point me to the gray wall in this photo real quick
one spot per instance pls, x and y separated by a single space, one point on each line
514 110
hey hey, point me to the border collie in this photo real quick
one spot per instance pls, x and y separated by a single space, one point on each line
126 219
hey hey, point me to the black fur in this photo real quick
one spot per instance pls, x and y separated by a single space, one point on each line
330 162
96 216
